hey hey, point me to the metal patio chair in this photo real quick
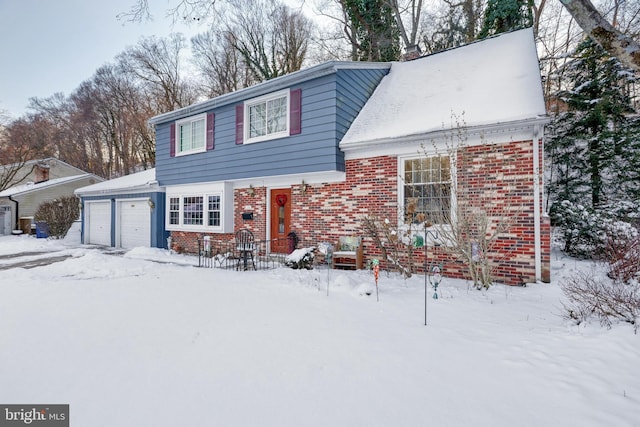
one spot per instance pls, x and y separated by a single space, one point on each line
245 246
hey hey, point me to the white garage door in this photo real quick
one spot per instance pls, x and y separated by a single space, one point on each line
134 223
98 218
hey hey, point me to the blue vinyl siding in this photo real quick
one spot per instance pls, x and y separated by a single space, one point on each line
329 105
158 233
354 87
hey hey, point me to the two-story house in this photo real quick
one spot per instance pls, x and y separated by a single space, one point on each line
317 150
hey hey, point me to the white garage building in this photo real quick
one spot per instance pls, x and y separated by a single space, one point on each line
125 212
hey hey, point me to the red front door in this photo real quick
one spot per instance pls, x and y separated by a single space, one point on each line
280 220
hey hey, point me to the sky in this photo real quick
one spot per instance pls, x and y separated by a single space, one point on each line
51 46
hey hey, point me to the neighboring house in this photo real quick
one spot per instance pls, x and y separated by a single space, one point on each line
124 212
18 204
35 171
317 150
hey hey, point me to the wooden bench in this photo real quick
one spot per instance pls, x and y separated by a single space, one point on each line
348 253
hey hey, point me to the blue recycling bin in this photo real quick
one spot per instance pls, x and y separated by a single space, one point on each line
42 230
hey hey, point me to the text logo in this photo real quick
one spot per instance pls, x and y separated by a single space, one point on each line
34 415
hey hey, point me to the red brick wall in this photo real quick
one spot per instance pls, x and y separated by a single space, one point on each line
496 178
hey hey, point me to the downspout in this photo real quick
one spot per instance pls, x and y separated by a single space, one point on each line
537 203
16 224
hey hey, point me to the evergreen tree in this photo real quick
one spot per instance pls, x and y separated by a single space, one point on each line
501 16
593 146
375 33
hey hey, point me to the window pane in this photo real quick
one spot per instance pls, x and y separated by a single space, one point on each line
428 185
193 211
197 134
213 211
174 210
277 115
191 135
185 138
257 120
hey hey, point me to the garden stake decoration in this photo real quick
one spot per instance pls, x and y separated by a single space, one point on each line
435 277
376 275
435 236
329 250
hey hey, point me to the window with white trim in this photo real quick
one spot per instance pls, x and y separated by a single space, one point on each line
267 117
195 212
426 181
174 210
192 210
213 211
191 135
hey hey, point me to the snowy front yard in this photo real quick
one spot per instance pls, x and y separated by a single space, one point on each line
129 341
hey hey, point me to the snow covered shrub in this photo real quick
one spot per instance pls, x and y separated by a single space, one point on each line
587 233
59 214
607 300
300 258
624 210
580 228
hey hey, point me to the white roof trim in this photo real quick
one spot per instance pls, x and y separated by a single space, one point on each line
412 144
32 187
144 181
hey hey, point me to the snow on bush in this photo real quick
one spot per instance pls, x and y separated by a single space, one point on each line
607 300
586 233
300 258
58 214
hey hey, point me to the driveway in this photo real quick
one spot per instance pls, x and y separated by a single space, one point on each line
31 259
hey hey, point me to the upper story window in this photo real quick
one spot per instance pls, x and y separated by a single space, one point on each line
427 183
191 135
267 117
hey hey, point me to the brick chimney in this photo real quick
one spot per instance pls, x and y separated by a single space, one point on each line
411 52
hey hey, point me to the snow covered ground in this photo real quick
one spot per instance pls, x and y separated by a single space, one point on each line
148 339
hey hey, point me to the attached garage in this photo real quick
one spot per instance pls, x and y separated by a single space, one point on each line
134 223
97 217
129 208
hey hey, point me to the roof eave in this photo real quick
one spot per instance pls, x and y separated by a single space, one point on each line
145 188
432 135
273 85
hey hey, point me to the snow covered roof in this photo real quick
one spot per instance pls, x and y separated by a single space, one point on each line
43 162
29 187
496 80
145 180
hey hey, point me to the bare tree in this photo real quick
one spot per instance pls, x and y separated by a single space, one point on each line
408 15
452 24
185 10
271 38
220 65
109 108
155 62
611 39
14 152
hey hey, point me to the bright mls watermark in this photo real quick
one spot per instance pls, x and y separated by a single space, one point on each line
34 415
